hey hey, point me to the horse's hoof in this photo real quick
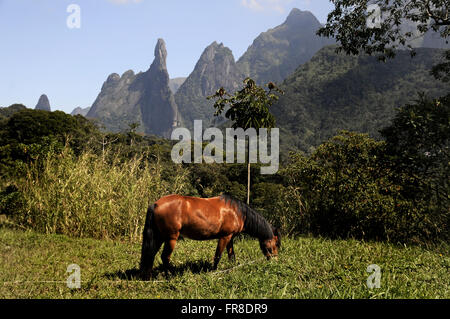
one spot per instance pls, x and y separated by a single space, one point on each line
145 277
169 270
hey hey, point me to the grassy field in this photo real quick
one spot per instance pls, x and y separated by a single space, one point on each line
34 265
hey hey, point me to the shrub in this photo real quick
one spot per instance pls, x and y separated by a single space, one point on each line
11 200
87 197
283 206
349 193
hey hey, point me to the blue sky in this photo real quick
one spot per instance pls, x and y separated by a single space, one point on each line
40 54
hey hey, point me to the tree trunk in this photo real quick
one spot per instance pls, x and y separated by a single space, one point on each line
248 183
248 173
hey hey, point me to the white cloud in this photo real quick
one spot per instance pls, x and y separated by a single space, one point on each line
124 1
252 4
266 5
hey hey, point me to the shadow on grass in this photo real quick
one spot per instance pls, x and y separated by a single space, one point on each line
195 267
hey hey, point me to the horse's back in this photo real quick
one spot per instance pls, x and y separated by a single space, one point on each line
174 197
196 218
189 203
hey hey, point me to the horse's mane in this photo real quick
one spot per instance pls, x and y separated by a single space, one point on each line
254 224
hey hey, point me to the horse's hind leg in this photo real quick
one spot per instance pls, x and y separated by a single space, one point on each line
169 246
148 257
151 243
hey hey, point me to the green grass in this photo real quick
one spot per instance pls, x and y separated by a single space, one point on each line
33 265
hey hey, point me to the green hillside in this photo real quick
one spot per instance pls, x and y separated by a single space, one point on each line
335 91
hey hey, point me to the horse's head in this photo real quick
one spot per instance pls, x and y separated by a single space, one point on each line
271 246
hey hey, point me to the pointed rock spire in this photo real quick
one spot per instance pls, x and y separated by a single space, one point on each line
160 53
158 108
43 103
143 98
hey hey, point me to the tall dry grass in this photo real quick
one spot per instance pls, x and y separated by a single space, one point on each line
86 197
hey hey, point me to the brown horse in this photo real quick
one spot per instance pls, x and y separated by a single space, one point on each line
219 218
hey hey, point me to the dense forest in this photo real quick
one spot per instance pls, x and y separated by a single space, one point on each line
62 174
334 91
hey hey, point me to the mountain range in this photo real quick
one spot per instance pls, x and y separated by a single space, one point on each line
324 91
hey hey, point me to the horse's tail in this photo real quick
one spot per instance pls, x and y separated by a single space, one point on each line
151 242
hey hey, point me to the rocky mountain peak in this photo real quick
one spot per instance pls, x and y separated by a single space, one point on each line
114 77
299 18
43 103
128 74
290 44
216 68
112 81
211 51
144 98
160 53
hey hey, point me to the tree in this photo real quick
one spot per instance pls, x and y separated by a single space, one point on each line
417 146
417 142
131 132
378 26
249 108
420 135
347 193
441 71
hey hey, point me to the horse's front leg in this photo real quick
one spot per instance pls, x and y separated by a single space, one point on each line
223 242
230 250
